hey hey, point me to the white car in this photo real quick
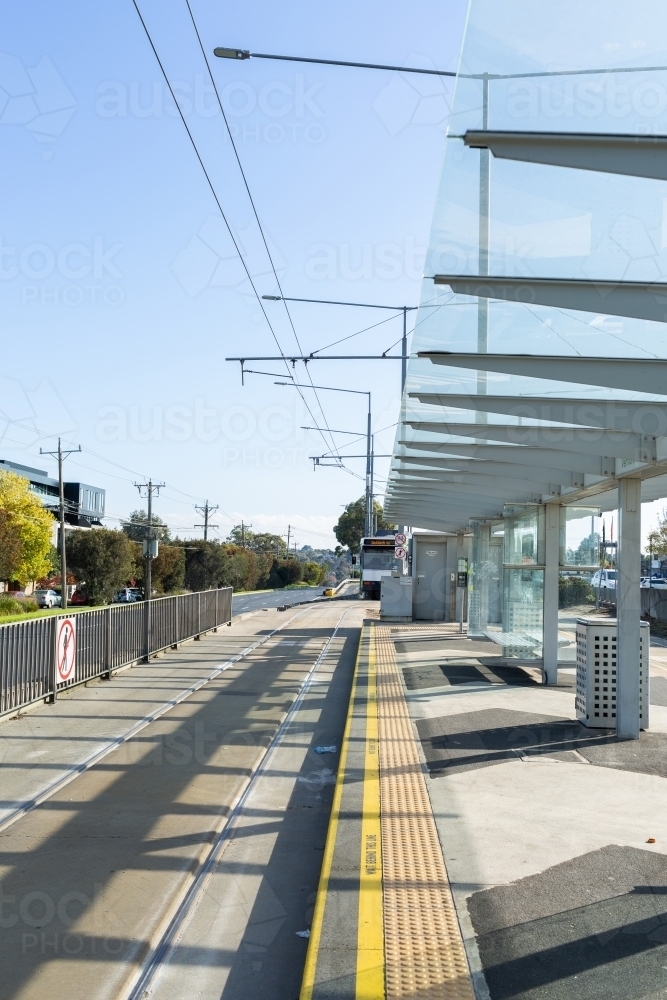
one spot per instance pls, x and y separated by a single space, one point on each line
604 579
48 599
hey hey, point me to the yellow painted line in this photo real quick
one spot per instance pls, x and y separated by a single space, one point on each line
370 933
308 982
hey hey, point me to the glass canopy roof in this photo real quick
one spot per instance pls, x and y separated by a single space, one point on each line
584 72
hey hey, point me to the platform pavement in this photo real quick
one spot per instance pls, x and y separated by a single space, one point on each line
554 835
384 924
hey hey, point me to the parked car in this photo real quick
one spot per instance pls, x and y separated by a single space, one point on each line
78 598
604 579
48 599
655 582
129 595
124 596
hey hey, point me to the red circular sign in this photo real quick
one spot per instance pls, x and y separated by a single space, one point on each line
65 650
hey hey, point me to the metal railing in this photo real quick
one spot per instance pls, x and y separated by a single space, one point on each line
42 656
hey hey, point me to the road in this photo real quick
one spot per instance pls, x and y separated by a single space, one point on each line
275 598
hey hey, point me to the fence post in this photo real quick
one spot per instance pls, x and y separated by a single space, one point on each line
107 642
198 635
147 629
53 680
177 632
217 612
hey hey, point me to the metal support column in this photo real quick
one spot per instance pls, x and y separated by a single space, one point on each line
628 608
550 605
478 594
460 591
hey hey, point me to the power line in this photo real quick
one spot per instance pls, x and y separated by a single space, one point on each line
250 198
215 196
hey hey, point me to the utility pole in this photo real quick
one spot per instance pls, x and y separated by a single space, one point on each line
289 530
206 512
369 474
243 527
150 487
60 454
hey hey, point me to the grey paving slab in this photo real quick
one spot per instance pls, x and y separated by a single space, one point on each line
554 836
592 927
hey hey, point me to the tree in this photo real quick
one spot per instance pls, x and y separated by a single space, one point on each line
315 573
350 528
261 542
657 539
167 570
285 571
103 559
137 527
26 528
10 547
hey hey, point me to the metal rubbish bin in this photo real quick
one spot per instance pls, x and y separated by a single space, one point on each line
596 673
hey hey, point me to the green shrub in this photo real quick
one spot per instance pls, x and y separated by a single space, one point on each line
574 590
17 605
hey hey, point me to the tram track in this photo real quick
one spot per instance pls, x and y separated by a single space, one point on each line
167 935
75 770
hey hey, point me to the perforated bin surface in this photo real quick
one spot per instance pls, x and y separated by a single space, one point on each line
595 698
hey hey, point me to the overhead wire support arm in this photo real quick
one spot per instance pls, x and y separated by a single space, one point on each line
240 54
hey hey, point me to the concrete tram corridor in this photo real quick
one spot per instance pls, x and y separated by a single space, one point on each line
91 877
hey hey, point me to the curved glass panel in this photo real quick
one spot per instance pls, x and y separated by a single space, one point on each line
532 66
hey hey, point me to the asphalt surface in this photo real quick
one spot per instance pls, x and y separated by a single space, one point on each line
273 598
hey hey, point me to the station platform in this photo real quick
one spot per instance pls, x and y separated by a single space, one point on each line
314 803
384 923
482 842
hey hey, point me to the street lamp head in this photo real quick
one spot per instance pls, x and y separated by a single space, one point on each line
273 298
231 53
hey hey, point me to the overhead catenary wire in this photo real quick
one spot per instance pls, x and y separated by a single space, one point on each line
252 203
214 192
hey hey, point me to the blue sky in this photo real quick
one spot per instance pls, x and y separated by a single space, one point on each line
121 291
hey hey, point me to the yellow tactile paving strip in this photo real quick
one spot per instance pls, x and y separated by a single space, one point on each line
424 952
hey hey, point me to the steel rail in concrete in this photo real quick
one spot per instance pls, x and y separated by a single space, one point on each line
160 953
80 768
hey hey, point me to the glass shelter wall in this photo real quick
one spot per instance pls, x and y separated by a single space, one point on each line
535 66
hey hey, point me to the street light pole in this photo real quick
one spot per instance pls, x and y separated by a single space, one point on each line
61 505
227 53
355 392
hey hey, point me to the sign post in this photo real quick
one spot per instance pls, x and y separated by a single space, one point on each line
462 583
65 652
400 550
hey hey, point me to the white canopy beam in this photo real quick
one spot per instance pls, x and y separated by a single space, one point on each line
633 155
524 456
637 299
637 447
633 374
496 471
617 415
